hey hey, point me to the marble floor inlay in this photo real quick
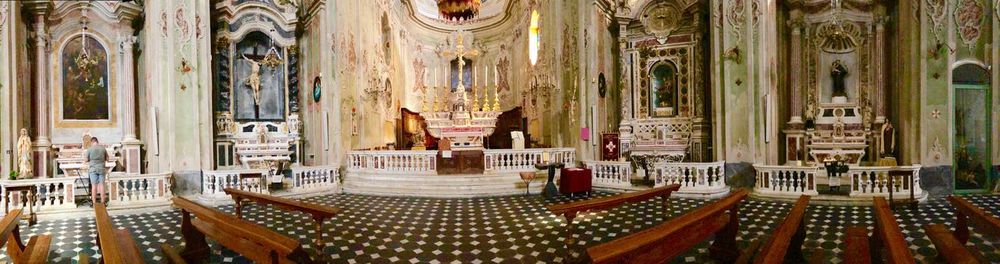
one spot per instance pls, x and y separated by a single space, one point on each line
512 229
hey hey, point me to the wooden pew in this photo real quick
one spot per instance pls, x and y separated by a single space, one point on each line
37 250
571 209
117 245
670 239
319 212
857 249
948 247
887 237
256 243
786 242
966 213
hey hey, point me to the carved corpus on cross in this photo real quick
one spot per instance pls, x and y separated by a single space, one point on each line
460 52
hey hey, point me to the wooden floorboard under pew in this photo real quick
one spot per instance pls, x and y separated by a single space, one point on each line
117 245
37 249
785 243
670 239
887 243
318 212
967 213
254 242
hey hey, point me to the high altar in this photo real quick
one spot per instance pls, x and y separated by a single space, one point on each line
838 82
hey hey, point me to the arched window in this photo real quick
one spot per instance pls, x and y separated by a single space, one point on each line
534 39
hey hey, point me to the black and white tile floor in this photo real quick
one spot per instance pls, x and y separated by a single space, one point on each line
514 229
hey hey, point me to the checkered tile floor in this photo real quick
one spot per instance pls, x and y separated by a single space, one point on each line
514 229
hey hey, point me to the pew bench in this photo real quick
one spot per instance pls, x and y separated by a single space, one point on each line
951 245
571 209
117 245
886 244
785 245
37 249
661 243
318 212
256 243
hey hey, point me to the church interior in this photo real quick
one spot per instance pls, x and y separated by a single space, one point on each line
500 131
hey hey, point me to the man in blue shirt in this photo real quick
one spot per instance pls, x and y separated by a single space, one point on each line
95 157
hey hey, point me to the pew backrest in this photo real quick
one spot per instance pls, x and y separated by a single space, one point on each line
888 233
570 209
789 233
672 238
316 210
250 240
8 226
948 247
970 213
117 245
37 249
857 249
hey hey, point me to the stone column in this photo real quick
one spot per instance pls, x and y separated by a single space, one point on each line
796 72
131 144
625 126
879 70
42 143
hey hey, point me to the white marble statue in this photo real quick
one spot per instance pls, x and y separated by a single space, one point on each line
24 161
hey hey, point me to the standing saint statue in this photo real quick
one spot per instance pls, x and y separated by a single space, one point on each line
24 161
254 79
838 72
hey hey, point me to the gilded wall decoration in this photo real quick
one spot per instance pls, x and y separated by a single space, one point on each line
569 46
969 19
661 19
85 77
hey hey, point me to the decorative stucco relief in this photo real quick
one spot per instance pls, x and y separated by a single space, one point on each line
183 28
936 10
418 76
736 18
3 15
937 150
969 19
163 23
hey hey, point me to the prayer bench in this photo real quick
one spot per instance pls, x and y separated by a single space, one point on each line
318 212
886 244
117 245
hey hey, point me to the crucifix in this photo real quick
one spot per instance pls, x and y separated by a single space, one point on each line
460 52
253 81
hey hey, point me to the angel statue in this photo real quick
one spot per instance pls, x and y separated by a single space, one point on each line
24 161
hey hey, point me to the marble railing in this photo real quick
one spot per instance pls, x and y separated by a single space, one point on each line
789 181
394 162
694 177
125 190
518 160
874 181
315 177
214 182
58 194
610 174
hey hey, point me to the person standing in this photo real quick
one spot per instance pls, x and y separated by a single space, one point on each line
95 157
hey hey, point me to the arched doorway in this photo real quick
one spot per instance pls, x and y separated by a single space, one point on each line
971 143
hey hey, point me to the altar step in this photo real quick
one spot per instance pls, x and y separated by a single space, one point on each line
439 186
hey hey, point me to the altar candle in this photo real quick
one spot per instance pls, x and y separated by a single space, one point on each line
435 77
475 77
496 76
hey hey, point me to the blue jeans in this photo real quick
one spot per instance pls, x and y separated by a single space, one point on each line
96 178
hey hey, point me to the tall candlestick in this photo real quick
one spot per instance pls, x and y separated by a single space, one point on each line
496 76
475 77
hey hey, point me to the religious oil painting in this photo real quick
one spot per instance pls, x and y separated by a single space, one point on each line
664 90
85 80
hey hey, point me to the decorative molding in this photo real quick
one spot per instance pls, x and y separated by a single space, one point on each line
936 114
937 150
969 20
936 10
736 18
183 27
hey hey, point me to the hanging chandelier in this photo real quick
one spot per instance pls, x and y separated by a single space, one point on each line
458 10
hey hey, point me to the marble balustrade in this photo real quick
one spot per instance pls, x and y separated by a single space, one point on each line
875 181
58 194
862 181
611 174
788 181
694 177
519 160
315 177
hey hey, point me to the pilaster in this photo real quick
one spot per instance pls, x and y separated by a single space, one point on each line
39 11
